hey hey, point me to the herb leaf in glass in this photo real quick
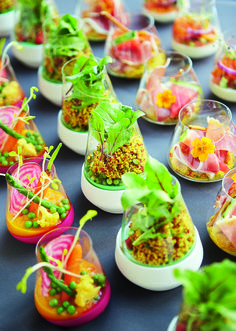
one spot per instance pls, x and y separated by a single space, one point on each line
28 29
157 233
63 40
115 146
85 85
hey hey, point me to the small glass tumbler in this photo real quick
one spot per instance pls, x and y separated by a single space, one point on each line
196 30
129 47
75 255
11 93
81 95
223 74
163 11
95 25
203 144
36 200
164 89
222 224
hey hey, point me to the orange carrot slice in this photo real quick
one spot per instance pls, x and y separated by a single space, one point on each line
73 265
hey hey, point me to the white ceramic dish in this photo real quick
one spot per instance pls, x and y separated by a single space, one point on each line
227 94
51 91
172 325
29 55
162 17
159 278
106 200
76 141
195 52
6 23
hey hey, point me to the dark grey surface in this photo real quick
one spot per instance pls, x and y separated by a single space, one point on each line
130 307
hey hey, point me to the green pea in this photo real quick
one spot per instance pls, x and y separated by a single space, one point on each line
28 224
53 302
83 272
11 162
35 224
65 304
60 310
28 134
71 309
4 162
53 210
52 291
25 211
65 201
67 207
61 210
6 154
36 134
72 285
63 215
31 215
40 141
109 181
53 285
38 148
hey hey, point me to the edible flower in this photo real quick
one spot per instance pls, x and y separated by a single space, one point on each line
202 148
165 99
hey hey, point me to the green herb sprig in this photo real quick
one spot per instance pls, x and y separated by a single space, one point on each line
157 192
113 122
211 292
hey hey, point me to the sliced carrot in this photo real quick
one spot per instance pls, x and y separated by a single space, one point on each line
73 265
10 141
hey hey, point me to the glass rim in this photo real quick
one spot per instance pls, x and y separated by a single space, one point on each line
224 107
228 176
150 18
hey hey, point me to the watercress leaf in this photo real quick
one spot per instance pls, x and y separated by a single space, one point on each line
97 124
132 196
132 180
135 115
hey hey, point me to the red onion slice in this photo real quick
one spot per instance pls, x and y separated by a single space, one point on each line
228 70
199 32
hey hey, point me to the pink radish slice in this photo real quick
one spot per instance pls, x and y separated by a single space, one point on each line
26 172
55 249
6 117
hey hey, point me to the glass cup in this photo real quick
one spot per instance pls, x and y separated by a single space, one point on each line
11 92
196 30
95 25
86 270
26 142
203 144
110 155
59 48
166 87
36 200
163 11
174 238
221 226
129 47
223 74
81 95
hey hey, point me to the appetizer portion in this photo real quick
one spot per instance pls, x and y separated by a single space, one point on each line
11 92
222 224
157 229
85 85
223 75
115 145
71 287
203 146
168 84
19 135
36 201
196 32
95 25
63 40
208 298
6 17
129 47
163 11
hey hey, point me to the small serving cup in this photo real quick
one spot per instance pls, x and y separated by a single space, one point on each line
164 89
163 11
203 144
71 134
223 76
157 276
222 225
196 29
15 204
48 241
129 47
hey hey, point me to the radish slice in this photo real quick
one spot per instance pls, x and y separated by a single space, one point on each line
226 69
55 249
6 116
26 172
199 32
